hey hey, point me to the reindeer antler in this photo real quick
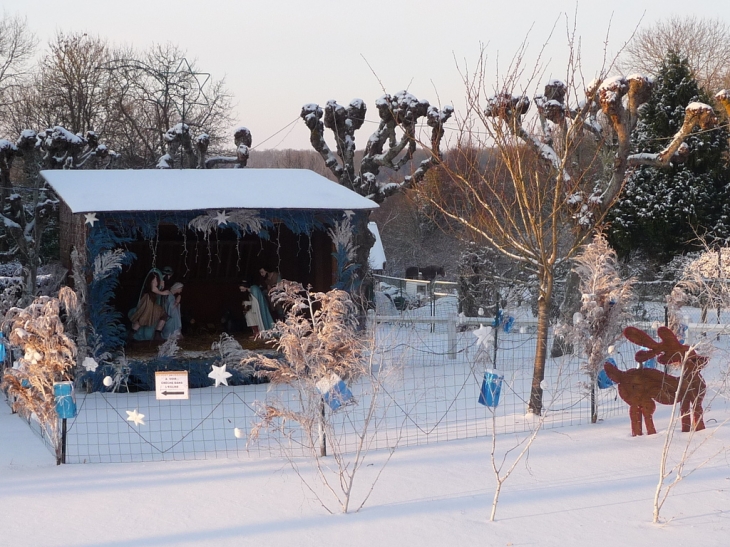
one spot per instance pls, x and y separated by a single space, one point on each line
670 351
640 338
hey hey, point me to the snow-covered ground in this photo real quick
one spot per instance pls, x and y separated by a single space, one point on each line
582 485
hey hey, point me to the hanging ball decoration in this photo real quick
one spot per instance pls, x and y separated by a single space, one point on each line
238 433
108 381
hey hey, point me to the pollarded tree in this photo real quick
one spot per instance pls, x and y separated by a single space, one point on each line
185 151
554 176
391 147
17 45
661 210
28 204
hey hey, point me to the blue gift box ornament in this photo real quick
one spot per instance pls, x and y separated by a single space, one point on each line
65 399
491 388
498 318
334 391
602 380
508 324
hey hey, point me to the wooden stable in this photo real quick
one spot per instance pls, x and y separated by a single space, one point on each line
212 227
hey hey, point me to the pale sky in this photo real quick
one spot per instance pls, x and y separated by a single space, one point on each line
278 55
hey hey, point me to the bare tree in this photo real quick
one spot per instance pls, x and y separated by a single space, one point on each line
74 86
68 87
156 90
17 45
704 42
553 176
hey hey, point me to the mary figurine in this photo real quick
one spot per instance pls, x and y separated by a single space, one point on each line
258 316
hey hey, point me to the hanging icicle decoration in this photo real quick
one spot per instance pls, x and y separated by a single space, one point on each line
241 221
249 220
185 252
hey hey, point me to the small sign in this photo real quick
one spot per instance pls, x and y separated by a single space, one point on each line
171 385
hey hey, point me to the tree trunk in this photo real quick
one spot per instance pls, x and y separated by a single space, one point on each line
30 273
364 240
543 325
571 304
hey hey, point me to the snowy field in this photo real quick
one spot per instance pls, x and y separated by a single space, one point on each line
582 485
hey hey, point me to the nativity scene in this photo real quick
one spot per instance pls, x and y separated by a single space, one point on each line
141 236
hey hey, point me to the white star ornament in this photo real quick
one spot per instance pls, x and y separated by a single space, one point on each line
220 375
136 417
221 218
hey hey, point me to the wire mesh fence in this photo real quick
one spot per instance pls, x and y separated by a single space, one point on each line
427 385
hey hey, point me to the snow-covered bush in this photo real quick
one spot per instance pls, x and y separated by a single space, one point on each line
704 281
49 356
323 355
605 307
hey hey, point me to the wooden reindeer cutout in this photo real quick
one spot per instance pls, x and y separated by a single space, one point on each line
642 388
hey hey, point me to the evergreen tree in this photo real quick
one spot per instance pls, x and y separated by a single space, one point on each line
661 210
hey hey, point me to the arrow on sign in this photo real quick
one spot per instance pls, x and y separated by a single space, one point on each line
173 393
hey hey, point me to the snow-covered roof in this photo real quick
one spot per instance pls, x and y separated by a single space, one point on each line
96 191
376 260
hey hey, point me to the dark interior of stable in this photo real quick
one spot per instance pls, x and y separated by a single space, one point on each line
211 270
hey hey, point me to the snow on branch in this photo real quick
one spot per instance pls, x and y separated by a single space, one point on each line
318 338
385 147
723 97
695 115
48 357
704 282
312 116
241 138
511 110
